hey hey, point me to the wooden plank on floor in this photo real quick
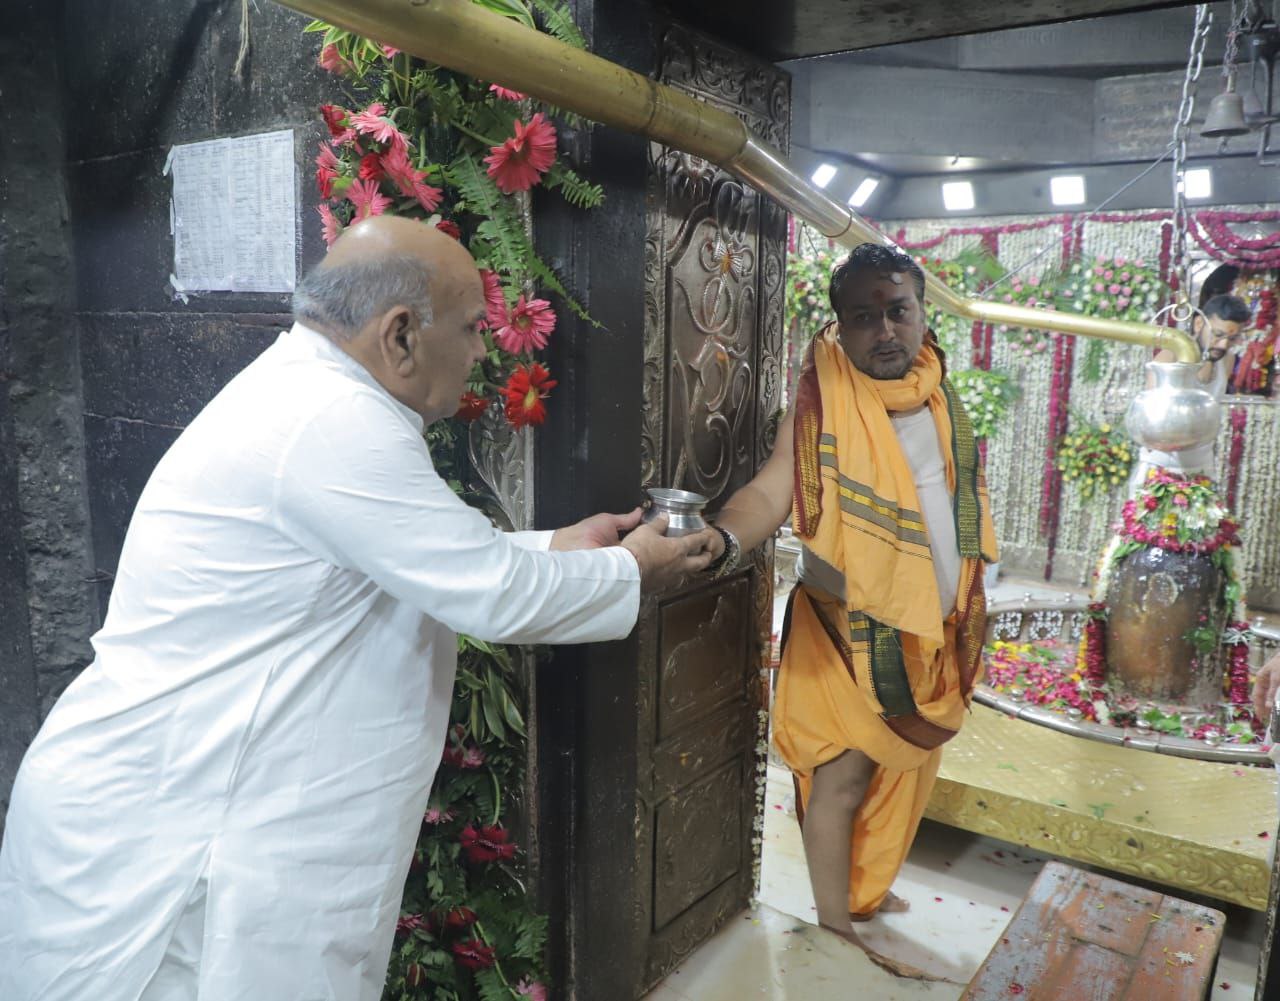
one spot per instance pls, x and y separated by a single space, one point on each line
1079 936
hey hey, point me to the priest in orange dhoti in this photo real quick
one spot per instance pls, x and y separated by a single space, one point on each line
877 465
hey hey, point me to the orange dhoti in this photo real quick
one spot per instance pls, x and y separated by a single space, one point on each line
819 713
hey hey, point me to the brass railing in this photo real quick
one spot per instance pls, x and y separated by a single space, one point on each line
465 37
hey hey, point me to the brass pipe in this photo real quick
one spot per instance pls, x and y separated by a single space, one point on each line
465 37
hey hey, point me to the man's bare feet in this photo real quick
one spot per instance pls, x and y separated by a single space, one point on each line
898 969
892 904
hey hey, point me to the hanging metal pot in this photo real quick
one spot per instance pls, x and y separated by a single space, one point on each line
1174 413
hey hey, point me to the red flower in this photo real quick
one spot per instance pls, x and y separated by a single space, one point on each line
505 93
471 407
408 923
327 167
373 122
367 199
415 975
489 844
527 327
459 918
495 302
409 179
528 386
450 227
519 163
332 228
331 59
473 954
371 167
335 118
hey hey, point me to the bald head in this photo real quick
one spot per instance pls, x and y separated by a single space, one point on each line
406 302
377 264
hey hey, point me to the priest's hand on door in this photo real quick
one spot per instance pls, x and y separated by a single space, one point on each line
596 532
665 562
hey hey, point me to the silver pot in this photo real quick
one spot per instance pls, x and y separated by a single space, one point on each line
1174 414
682 508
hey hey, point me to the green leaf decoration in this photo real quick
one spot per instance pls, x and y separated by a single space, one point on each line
575 190
559 23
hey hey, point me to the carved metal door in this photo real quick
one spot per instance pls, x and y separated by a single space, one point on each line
713 342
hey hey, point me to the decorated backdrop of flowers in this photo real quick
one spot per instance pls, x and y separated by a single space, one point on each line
1094 457
460 154
986 396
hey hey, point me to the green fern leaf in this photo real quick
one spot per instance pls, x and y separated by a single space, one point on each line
491 986
531 937
573 188
559 23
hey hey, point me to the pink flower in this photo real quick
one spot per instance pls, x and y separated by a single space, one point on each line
411 181
367 199
505 93
495 302
332 228
1034 281
1119 262
519 163
527 327
1122 303
435 815
326 170
373 122
1113 289
1099 287
390 51
472 757
1108 274
331 59
531 989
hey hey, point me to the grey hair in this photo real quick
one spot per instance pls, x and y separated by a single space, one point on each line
342 298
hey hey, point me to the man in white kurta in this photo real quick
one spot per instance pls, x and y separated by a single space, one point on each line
224 804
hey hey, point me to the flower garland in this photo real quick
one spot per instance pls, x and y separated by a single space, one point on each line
1235 454
1210 230
987 397
438 146
417 140
1254 366
1051 489
1110 288
1095 458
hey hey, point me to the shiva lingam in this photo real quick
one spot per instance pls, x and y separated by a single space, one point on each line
683 509
1144 663
1164 598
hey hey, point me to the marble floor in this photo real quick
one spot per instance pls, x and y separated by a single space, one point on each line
963 890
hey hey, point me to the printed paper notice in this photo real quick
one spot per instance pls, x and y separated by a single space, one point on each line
233 214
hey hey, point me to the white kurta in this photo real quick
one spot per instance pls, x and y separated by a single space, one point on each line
228 797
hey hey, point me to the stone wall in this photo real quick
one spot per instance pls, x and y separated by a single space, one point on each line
101 366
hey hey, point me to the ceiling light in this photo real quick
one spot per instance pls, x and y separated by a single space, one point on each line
957 196
1066 189
822 176
1197 182
863 192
